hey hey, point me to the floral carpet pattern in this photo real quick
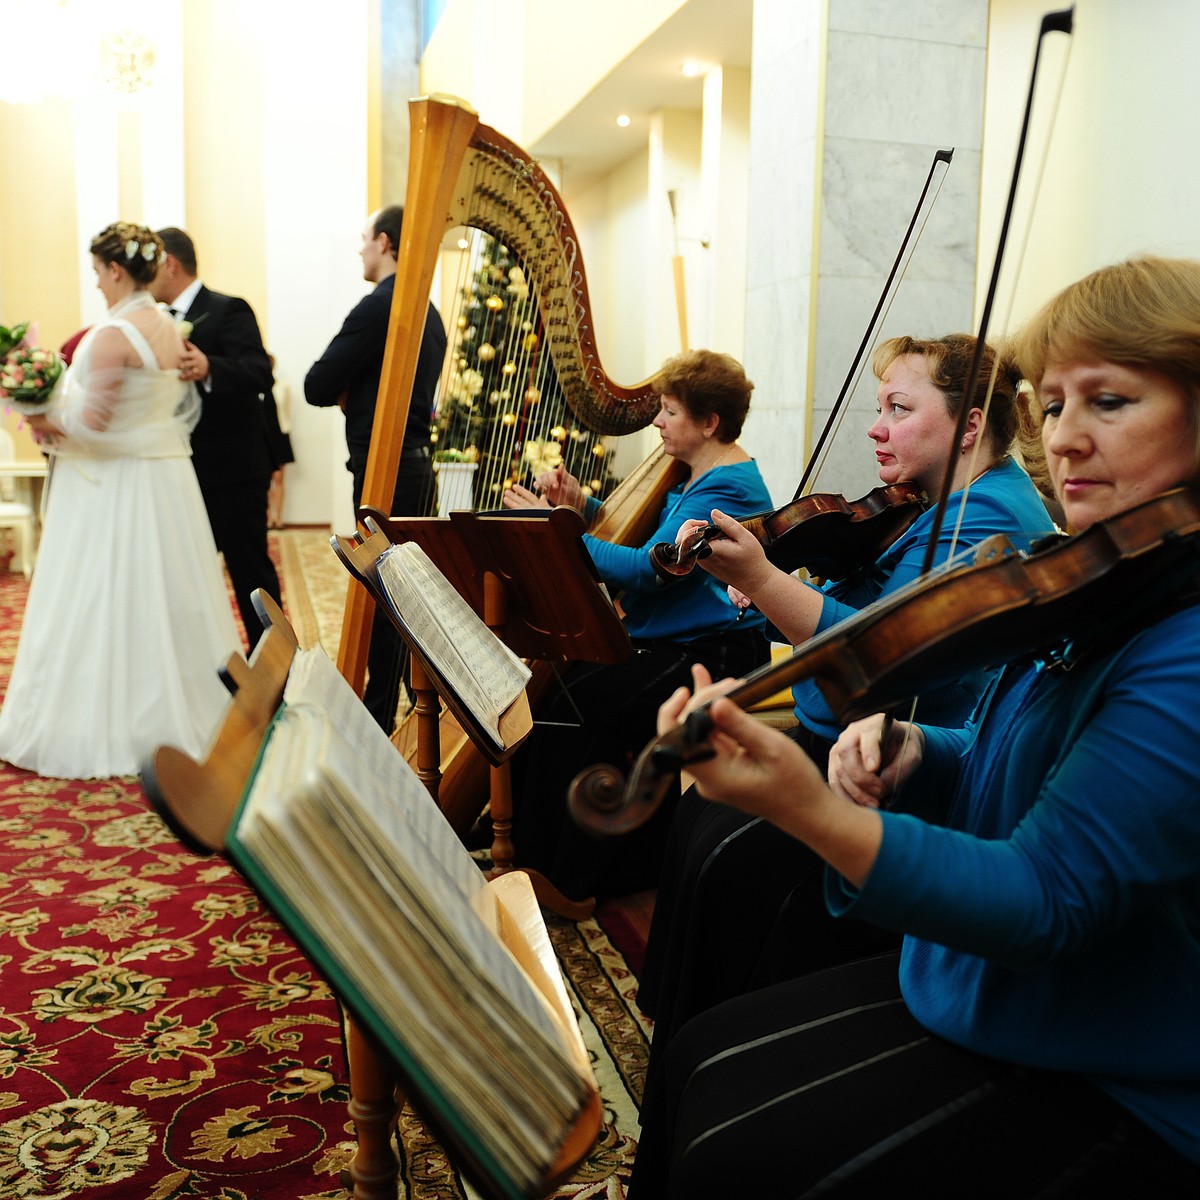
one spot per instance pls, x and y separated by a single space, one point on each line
162 1037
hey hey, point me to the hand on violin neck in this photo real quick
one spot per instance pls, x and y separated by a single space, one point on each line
737 556
872 757
760 771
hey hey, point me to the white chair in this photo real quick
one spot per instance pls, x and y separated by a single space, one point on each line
16 515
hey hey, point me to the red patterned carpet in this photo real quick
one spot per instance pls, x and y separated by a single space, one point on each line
160 1035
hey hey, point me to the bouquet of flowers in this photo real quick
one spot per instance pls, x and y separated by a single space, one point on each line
28 376
10 339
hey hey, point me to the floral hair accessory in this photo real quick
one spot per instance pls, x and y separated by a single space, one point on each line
135 244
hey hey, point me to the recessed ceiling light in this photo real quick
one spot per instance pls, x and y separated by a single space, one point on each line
623 121
691 69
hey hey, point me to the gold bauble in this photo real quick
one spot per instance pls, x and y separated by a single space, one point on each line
558 433
526 326
486 352
462 322
509 368
575 435
471 454
531 341
533 394
595 485
586 490
509 418
494 398
599 450
494 303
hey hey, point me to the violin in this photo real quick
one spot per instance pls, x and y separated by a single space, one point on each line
993 605
824 532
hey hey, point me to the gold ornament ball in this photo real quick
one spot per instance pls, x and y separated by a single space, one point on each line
595 485
494 398
575 435
494 303
533 394
558 433
599 450
509 368
509 418
471 454
586 490
486 352
462 322
526 326
531 341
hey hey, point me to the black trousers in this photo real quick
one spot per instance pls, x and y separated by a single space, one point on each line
607 714
237 513
387 656
827 1086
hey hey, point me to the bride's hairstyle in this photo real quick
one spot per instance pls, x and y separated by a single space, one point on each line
138 249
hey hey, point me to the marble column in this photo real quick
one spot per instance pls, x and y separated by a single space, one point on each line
849 101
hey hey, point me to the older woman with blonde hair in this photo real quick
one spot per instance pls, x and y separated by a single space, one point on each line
1036 1035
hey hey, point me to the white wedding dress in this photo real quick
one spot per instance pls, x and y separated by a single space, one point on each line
128 617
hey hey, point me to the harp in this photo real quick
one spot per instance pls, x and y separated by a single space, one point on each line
463 173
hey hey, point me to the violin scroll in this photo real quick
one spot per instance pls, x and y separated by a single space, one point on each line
604 803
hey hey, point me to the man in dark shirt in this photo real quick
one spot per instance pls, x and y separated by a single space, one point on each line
347 374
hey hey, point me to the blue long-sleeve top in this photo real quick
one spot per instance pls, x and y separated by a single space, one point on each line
1002 500
1055 921
695 605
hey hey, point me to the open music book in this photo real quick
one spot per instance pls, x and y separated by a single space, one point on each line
484 673
343 841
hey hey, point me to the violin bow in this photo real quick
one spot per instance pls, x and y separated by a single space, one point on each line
852 376
1060 21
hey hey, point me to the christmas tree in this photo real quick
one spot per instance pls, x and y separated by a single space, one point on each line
501 407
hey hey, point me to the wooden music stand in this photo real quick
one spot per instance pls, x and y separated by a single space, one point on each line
198 801
499 565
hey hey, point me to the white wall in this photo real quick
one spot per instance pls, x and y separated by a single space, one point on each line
1122 167
315 195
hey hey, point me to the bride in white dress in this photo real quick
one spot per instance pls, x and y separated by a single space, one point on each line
128 617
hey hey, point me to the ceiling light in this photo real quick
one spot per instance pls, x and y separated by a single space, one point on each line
691 69
623 121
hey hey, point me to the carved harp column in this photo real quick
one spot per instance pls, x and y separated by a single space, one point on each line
463 173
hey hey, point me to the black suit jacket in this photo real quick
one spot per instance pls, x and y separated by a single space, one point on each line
353 362
230 443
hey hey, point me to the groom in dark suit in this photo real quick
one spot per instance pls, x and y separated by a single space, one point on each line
224 356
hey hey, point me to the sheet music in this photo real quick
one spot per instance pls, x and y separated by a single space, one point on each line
487 676
346 831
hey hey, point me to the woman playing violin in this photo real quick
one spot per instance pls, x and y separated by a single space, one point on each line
606 713
739 904
1036 1034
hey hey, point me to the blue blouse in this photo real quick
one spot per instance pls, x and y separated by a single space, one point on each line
1056 921
695 605
1004 501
